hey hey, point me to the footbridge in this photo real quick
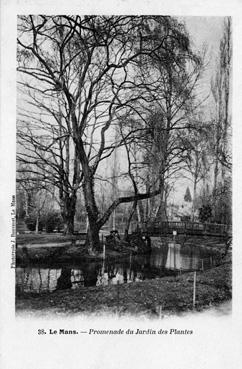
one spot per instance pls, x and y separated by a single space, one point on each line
190 228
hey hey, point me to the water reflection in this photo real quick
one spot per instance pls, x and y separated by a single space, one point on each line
36 279
64 281
167 260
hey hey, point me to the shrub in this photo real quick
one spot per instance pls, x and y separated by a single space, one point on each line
30 222
205 213
50 221
53 220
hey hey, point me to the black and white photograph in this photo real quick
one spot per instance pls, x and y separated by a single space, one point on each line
123 194
120 184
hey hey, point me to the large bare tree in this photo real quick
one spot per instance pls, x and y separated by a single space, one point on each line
86 66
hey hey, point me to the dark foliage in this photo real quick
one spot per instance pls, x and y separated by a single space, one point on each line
50 221
188 197
53 221
205 213
31 220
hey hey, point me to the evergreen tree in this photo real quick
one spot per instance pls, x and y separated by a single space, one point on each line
188 197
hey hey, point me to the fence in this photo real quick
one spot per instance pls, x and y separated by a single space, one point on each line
189 228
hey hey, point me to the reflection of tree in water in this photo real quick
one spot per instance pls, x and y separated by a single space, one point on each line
158 257
86 276
40 279
183 257
64 280
125 274
190 257
90 274
77 278
36 279
150 266
19 280
111 271
200 257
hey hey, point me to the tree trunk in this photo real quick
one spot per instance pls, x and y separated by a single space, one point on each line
37 224
159 211
194 199
68 209
113 219
162 209
95 223
140 215
93 241
26 203
68 224
134 206
215 189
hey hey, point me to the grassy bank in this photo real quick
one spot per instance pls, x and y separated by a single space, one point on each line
171 295
59 248
44 238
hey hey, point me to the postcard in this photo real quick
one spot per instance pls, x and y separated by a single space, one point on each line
120 190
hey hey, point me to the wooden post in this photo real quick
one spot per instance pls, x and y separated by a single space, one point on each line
104 248
130 263
174 235
194 289
160 312
118 304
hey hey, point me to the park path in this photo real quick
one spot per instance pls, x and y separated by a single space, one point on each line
52 244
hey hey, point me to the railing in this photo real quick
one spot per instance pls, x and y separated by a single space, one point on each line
190 228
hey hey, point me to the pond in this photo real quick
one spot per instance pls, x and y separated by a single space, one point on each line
168 260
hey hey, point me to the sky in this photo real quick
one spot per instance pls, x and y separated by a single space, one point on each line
205 30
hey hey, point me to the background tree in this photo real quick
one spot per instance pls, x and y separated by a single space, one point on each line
187 196
196 157
36 203
173 75
45 147
221 133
